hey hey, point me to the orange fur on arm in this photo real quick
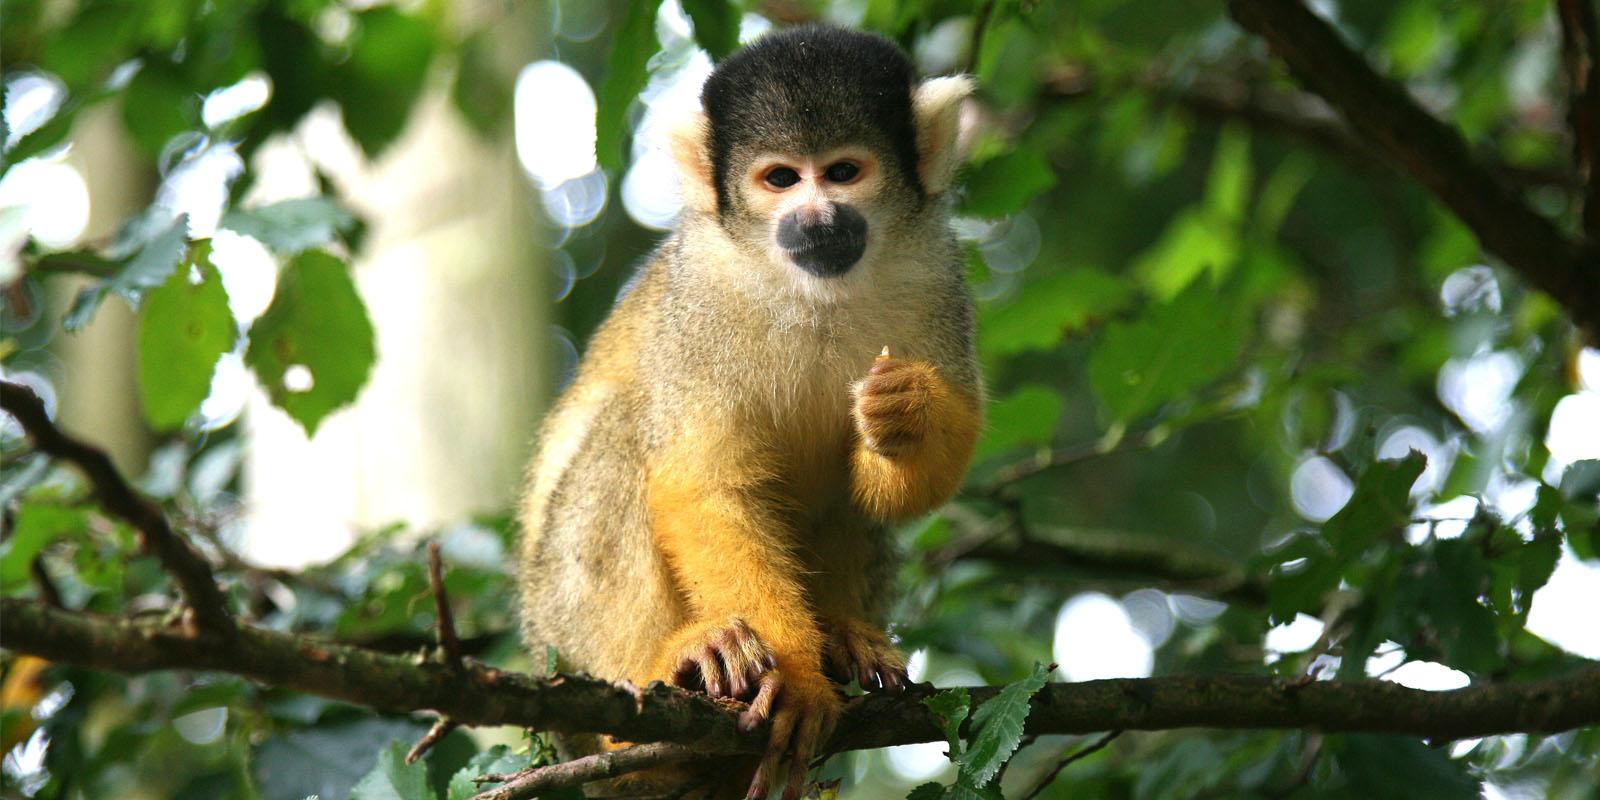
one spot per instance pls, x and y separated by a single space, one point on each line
732 559
919 475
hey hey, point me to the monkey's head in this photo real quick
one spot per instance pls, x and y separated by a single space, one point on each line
819 147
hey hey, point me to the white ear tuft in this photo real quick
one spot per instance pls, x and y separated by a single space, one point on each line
941 141
690 138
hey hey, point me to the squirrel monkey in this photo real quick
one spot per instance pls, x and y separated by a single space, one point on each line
710 498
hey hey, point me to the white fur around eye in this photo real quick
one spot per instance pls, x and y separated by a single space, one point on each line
941 142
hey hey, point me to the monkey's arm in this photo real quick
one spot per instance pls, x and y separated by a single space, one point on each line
735 566
916 432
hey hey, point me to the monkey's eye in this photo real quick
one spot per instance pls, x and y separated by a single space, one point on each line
782 177
842 172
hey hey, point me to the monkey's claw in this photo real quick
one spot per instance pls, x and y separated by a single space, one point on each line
892 404
858 651
724 660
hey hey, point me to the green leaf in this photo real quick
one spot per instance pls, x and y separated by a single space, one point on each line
290 226
317 322
626 75
1004 184
1171 350
1062 303
394 779
1376 766
927 791
1536 562
156 260
1196 241
1228 188
498 758
950 706
1580 487
1378 507
184 327
1027 416
716 25
35 527
157 105
997 728
327 759
383 77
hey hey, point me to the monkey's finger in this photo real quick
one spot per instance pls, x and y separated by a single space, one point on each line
710 670
761 706
863 660
805 744
772 760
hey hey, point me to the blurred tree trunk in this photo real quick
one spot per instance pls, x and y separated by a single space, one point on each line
97 389
452 279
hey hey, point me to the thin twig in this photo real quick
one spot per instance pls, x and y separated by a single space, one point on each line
597 767
441 604
1071 454
156 536
440 729
980 26
1068 760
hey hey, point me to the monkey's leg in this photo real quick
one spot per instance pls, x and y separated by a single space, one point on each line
915 436
854 569
732 558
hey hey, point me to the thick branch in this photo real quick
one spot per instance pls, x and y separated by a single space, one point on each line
118 498
1431 151
482 696
1580 48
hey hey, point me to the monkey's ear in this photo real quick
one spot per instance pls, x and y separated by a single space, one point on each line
691 149
941 139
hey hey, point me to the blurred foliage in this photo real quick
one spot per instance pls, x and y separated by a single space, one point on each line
1213 322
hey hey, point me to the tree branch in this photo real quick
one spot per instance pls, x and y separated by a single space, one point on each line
597 767
479 695
1431 151
1580 49
117 497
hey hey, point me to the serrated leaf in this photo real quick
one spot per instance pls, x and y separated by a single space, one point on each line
318 322
716 25
157 259
626 75
1027 416
1379 505
1171 350
393 778
927 791
1003 185
381 80
997 729
1048 309
290 226
498 758
184 327
950 706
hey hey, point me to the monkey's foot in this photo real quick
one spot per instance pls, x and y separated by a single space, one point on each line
859 651
722 659
807 708
892 404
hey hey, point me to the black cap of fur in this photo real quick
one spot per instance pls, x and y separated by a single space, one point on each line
807 89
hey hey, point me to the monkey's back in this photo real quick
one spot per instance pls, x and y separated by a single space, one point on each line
593 584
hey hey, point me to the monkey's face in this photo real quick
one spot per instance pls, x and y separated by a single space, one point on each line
814 212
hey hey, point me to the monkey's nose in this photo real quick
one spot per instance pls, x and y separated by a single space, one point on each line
828 248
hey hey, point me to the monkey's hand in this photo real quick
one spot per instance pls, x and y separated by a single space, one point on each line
722 659
892 405
862 652
807 708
